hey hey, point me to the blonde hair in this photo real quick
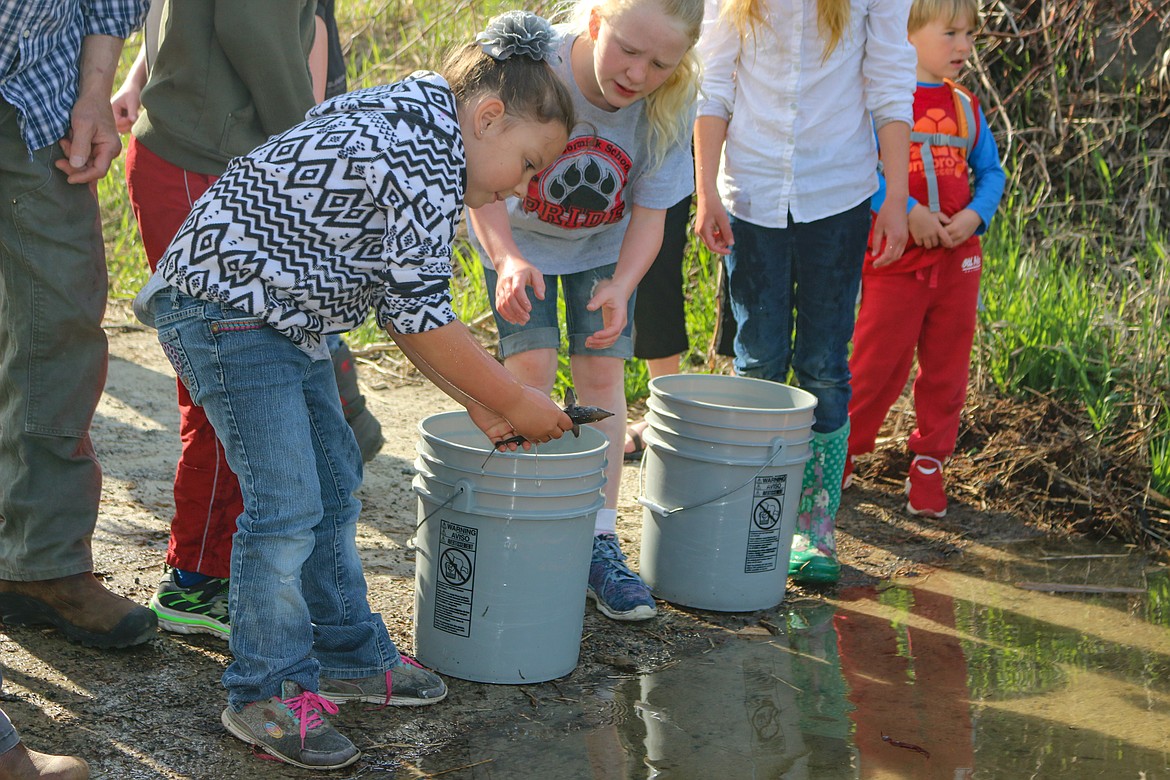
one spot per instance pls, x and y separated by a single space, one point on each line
668 107
923 12
832 19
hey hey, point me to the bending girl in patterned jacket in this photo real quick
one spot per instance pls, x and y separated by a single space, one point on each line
353 209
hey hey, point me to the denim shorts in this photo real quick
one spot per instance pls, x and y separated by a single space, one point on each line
542 331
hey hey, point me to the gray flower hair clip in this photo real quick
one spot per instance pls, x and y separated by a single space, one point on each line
518 33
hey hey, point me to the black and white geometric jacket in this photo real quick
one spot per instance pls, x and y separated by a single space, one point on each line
355 208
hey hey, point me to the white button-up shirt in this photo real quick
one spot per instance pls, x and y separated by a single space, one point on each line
800 134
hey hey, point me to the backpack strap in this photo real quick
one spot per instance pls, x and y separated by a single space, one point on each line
965 111
964 140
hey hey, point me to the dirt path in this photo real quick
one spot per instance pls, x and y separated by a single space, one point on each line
153 712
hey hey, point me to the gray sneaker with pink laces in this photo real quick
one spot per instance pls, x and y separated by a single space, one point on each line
293 728
406 684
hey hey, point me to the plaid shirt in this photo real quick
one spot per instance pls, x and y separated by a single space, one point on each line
40 46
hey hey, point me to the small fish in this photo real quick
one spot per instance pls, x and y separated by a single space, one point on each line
580 415
905 745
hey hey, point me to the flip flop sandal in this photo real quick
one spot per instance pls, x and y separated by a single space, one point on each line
635 454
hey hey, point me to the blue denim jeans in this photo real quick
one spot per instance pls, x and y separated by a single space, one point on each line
8 736
542 331
297 594
814 269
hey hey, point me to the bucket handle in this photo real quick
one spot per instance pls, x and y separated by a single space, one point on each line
658 509
463 487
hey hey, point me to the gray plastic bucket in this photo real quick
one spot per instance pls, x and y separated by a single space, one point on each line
451 437
756 434
688 438
555 496
719 506
733 401
503 483
500 576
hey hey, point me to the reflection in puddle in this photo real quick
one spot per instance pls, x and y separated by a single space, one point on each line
952 675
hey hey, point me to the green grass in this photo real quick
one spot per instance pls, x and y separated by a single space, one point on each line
1061 320
1069 311
125 257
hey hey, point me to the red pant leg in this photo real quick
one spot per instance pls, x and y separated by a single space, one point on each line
888 324
906 681
944 700
207 494
880 687
944 353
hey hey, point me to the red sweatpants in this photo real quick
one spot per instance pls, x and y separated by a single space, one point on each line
933 311
207 494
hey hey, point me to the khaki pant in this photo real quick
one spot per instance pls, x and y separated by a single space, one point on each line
53 357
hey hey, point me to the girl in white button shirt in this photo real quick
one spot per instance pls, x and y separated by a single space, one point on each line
785 165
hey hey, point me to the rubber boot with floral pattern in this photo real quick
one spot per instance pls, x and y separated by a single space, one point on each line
813 558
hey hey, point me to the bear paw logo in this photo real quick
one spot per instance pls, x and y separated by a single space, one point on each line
584 184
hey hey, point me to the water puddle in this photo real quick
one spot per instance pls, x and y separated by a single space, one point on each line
978 672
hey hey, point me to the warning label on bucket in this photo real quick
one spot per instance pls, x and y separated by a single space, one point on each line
455 583
763 545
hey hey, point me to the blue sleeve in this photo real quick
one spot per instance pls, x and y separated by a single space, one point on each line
879 197
988 173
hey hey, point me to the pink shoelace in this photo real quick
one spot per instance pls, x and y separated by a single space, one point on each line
406 659
307 708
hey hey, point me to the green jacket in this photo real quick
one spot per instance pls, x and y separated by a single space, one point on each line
229 74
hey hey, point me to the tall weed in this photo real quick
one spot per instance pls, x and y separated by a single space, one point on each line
1061 323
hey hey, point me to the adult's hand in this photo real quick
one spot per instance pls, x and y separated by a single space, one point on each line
92 142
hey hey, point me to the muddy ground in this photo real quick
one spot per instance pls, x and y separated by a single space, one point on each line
153 712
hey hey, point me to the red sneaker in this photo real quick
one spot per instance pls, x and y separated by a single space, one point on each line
924 488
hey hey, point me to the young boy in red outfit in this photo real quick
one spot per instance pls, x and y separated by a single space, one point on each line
926 300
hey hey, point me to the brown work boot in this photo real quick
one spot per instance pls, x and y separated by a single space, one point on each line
80 607
20 763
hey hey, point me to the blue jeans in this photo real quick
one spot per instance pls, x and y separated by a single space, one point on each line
8 736
543 331
813 268
297 595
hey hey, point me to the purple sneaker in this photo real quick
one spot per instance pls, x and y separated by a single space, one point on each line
618 592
